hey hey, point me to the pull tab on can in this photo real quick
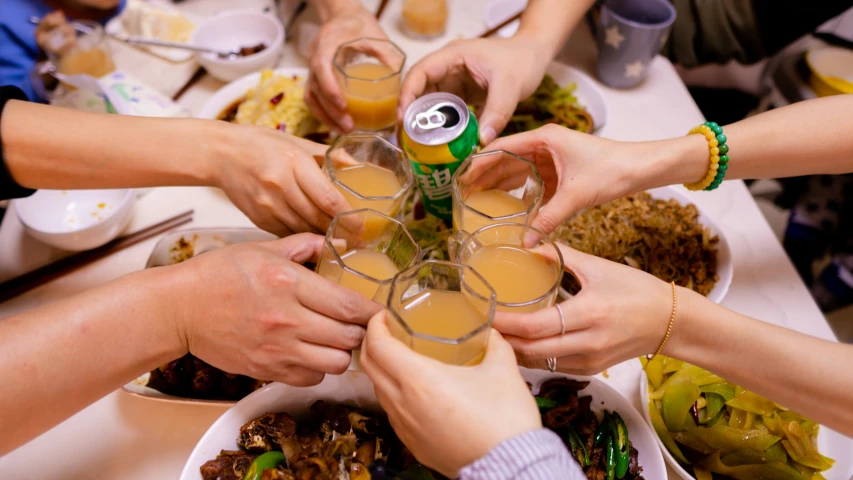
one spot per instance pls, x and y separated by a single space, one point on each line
432 118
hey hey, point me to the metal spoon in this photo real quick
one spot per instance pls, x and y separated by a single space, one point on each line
185 46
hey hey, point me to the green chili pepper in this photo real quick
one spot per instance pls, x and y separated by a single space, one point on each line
602 430
263 462
577 447
545 404
623 445
610 458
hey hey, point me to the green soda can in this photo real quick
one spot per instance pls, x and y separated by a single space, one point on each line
439 133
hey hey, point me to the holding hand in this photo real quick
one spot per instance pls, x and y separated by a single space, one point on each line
260 313
54 34
276 180
448 416
322 93
493 73
619 314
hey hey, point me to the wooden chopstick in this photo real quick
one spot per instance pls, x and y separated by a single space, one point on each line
382 5
28 281
489 33
198 75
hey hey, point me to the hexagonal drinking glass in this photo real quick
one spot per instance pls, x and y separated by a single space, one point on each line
369 71
522 265
443 310
495 187
370 172
366 263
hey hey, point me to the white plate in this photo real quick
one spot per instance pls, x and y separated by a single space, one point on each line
725 266
230 93
589 94
355 388
829 443
115 27
203 239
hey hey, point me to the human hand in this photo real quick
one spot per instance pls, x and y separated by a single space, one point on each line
275 179
253 309
447 415
54 34
620 313
323 95
579 170
493 73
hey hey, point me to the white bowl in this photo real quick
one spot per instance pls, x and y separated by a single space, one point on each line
355 388
75 220
236 90
498 11
829 443
589 94
232 30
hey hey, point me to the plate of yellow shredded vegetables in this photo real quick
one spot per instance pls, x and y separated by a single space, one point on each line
711 429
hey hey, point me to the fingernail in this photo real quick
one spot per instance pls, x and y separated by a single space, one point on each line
487 134
530 240
346 123
341 102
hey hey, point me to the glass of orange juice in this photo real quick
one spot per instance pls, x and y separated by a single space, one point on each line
495 187
424 19
366 263
369 73
370 172
442 310
86 52
524 274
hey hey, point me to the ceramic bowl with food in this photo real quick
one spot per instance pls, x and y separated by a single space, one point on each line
353 388
829 443
236 30
831 70
76 220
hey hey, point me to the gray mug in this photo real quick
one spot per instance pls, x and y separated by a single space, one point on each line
630 33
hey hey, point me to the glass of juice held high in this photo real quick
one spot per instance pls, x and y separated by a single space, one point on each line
442 310
369 72
366 261
369 172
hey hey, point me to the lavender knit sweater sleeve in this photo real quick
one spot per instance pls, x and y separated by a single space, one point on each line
535 455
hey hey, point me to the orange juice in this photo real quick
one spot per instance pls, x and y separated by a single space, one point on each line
516 274
424 18
449 315
372 91
370 180
494 203
366 262
94 62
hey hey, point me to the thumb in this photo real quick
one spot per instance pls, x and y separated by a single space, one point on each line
297 248
500 105
499 353
561 206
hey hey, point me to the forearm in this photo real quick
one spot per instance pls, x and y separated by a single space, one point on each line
806 138
60 358
57 148
548 23
800 372
328 9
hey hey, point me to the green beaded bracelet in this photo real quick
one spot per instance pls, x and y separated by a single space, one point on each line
724 157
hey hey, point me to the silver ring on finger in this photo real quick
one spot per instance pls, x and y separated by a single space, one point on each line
562 319
552 364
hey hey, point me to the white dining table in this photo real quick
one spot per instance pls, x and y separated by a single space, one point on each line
122 436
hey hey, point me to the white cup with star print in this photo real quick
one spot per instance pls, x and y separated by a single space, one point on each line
630 33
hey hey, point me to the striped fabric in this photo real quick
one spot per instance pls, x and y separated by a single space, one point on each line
535 455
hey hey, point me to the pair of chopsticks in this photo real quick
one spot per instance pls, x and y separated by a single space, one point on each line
487 33
28 281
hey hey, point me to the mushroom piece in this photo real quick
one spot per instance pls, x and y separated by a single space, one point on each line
266 431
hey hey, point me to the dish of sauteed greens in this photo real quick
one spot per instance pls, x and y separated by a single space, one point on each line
717 430
341 442
550 103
